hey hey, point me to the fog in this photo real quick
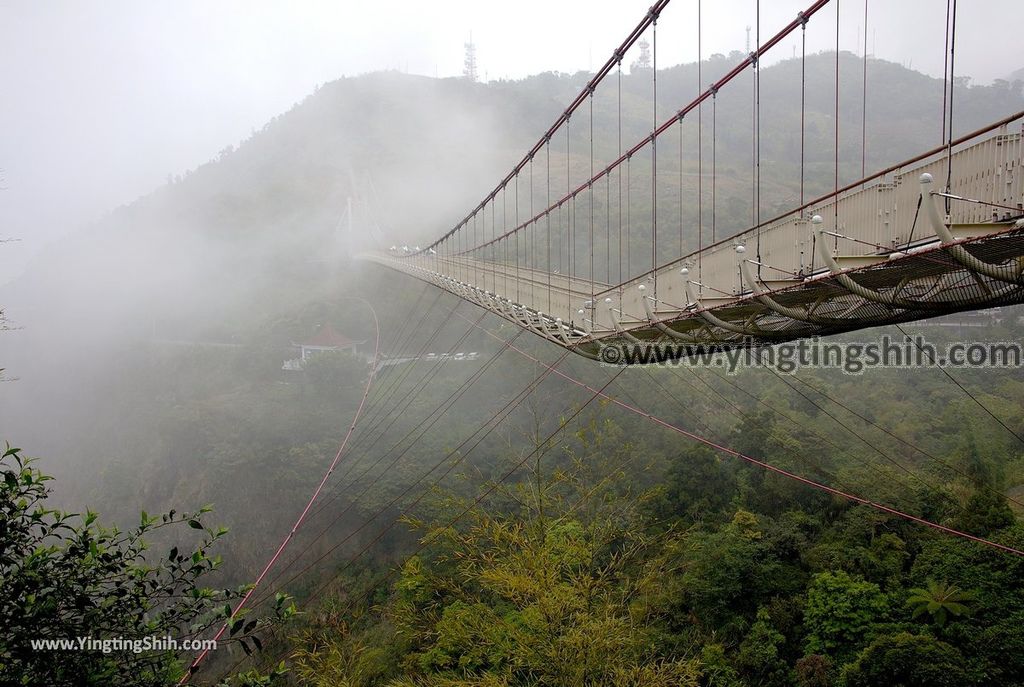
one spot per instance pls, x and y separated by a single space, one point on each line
104 100
179 173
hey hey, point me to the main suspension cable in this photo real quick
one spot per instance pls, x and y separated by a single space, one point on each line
486 428
427 541
421 429
309 504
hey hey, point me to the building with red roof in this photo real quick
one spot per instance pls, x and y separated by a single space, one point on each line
325 339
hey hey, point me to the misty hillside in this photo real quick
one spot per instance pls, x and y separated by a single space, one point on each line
237 226
227 249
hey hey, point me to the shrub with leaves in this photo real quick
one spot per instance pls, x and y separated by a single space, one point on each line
64 576
841 613
939 600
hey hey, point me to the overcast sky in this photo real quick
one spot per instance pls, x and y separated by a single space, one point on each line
102 99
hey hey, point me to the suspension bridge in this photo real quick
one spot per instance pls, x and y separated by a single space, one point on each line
935 234
589 265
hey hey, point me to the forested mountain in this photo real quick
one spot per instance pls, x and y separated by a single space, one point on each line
149 368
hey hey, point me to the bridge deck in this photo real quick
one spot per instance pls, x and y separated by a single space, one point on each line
880 253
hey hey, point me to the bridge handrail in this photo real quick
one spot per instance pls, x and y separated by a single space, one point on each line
824 198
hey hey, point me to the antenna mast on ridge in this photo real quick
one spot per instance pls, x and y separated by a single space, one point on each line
469 64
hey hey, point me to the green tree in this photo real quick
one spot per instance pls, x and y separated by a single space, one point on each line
346 662
697 486
564 602
907 660
841 612
986 510
64 576
759 656
551 594
1000 649
939 600
715 668
728 574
